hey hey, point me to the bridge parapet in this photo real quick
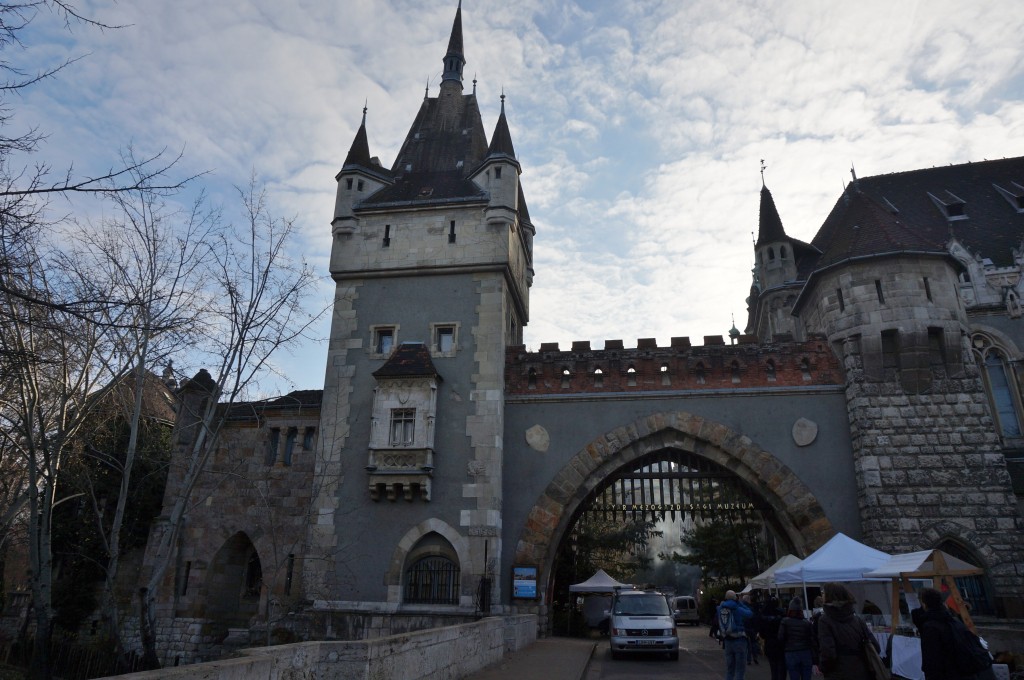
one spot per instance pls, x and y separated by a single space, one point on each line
681 366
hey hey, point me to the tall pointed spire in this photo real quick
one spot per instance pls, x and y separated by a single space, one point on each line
769 224
359 152
501 140
454 58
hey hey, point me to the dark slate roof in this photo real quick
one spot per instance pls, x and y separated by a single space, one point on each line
298 399
411 359
441 156
859 226
524 213
769 223
455 41
501 140
359 152
900 214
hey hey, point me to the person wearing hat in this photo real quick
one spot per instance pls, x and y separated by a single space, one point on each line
796 634
735 636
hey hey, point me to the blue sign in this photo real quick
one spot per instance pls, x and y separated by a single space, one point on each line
524 583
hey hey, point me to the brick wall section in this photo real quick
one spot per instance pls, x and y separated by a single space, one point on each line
675 368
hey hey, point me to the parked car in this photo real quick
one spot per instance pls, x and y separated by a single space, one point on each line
641 622
684 610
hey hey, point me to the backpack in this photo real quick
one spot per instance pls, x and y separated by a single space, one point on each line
969 656
727 623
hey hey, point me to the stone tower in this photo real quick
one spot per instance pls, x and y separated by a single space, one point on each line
776 279
883 288
432 263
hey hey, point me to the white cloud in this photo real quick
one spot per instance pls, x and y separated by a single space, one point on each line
640 125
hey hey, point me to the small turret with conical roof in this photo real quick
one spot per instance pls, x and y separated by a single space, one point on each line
498 174
360 176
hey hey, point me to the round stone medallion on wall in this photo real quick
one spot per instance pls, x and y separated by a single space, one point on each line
538 439
805 432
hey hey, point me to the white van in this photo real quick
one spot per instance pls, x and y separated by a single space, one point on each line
684 610
640 621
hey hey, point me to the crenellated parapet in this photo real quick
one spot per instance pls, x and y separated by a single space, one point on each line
681 366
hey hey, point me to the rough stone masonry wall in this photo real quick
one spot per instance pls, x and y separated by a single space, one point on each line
929 467
441 653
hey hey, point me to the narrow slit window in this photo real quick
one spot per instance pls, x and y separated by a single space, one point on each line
769 370
289 575
565 378
289 444
497 172
734 369
307 439
451 232
387 235
272 441
927 289
878 291
348 184
839 297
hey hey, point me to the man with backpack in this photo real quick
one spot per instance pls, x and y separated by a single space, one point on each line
949 651
731 615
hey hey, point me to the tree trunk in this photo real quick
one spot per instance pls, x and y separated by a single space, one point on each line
39 668
150 660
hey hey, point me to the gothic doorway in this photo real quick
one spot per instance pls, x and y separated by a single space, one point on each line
234 582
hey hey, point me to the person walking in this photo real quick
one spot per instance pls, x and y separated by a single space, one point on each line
937 627
731 615
796 634
774 650
753 627
841 636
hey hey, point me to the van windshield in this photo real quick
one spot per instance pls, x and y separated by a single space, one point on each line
646 604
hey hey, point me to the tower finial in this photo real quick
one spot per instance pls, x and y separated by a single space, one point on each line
426 90
503 99
763 166
474 80
454 59
365 103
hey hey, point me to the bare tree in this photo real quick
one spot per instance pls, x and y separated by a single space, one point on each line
254 309
147 268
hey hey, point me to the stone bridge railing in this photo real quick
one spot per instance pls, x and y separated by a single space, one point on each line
451 652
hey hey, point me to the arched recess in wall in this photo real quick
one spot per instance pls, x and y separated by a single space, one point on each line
797 512
972 548
430 538
234 581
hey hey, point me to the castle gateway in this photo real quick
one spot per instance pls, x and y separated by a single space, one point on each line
876 392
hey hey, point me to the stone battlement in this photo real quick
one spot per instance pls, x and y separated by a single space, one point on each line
680 366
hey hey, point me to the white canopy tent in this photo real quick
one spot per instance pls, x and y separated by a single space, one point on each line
598 590
840 559
600 582
766 579
845 560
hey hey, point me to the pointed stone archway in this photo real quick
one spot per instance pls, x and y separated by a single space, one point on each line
797 512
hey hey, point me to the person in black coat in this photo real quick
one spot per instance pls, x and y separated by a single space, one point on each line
774 651
935 624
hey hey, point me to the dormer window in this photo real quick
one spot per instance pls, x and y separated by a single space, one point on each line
1014 195
951 205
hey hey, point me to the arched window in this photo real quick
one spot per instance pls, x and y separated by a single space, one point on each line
432 574
1000 384
432 580
771 253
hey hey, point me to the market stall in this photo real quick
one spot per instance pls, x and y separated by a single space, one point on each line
766 579
597 591
942 568
844 560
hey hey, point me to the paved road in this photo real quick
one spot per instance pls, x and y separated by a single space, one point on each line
700 658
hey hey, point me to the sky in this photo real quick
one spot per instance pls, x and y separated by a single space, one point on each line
640 125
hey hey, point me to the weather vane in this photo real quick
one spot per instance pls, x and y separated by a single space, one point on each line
763 166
